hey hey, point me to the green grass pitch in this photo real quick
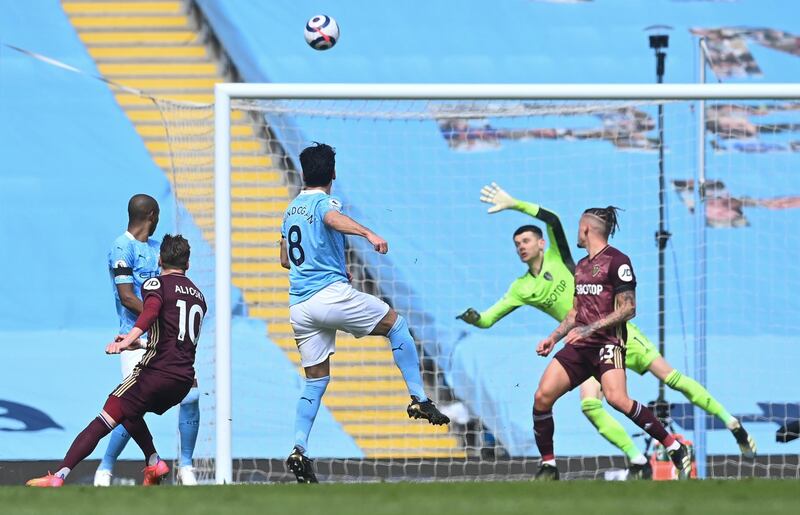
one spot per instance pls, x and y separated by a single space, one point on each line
486 498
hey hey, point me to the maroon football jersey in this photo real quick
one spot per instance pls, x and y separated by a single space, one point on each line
173 336
597 282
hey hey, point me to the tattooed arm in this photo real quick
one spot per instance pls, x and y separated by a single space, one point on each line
546 345
625 302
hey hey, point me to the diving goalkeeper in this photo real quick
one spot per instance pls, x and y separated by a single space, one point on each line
549 286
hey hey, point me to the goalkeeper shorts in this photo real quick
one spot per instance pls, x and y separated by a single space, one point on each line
640 352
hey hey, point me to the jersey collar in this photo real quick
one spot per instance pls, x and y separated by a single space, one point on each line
129 235
601 251
310 192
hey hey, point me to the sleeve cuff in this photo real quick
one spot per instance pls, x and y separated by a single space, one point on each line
528 207
625 287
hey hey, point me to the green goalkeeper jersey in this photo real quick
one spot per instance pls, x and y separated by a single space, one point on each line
551 290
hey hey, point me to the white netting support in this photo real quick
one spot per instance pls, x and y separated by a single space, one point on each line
446 254
189 162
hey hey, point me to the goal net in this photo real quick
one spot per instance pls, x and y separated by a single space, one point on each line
412 171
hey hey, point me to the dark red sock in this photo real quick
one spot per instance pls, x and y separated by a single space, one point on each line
85 443
141 435
644 418
543 428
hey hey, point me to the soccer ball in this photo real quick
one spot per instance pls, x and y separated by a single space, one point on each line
322 32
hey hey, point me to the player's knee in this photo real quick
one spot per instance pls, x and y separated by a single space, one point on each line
192 397
542 400
590 406
619 401
112 411
386 323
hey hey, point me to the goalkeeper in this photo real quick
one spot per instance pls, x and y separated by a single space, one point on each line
548 285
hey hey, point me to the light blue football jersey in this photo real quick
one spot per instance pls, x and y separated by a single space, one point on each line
316 252
131 261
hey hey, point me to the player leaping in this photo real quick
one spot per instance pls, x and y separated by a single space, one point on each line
172 315
548 285
321 300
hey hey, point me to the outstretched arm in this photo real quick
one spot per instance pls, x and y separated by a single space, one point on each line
492 315
346 225
500 200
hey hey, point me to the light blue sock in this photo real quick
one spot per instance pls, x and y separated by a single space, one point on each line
307 407
117 441
188 425
406 358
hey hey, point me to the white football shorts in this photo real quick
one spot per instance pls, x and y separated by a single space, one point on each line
129 359
338 306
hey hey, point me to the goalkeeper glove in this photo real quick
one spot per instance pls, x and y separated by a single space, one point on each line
470 316
498 197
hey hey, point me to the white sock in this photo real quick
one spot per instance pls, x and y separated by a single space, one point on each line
675 446
63 472
549 462
733 424
639 460
152 460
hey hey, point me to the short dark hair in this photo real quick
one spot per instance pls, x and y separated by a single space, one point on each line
318 162
175 252
529 228
141 205
608 215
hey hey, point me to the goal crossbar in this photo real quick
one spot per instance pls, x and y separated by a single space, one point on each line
509 91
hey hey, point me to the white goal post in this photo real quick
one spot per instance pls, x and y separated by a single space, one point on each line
226 93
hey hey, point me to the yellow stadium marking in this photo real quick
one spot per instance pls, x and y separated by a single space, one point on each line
126 100
122 7
271 223
158 131
151 85
416 453
364 371
148 52
369 415
255 193
167 162
281 281
129 22
387 385
255 252
252 237
154 115
251 267
341 401
413 429
341 344
256 177
266 296
260 191
272 313
351 357
159 69
418 443
136 37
